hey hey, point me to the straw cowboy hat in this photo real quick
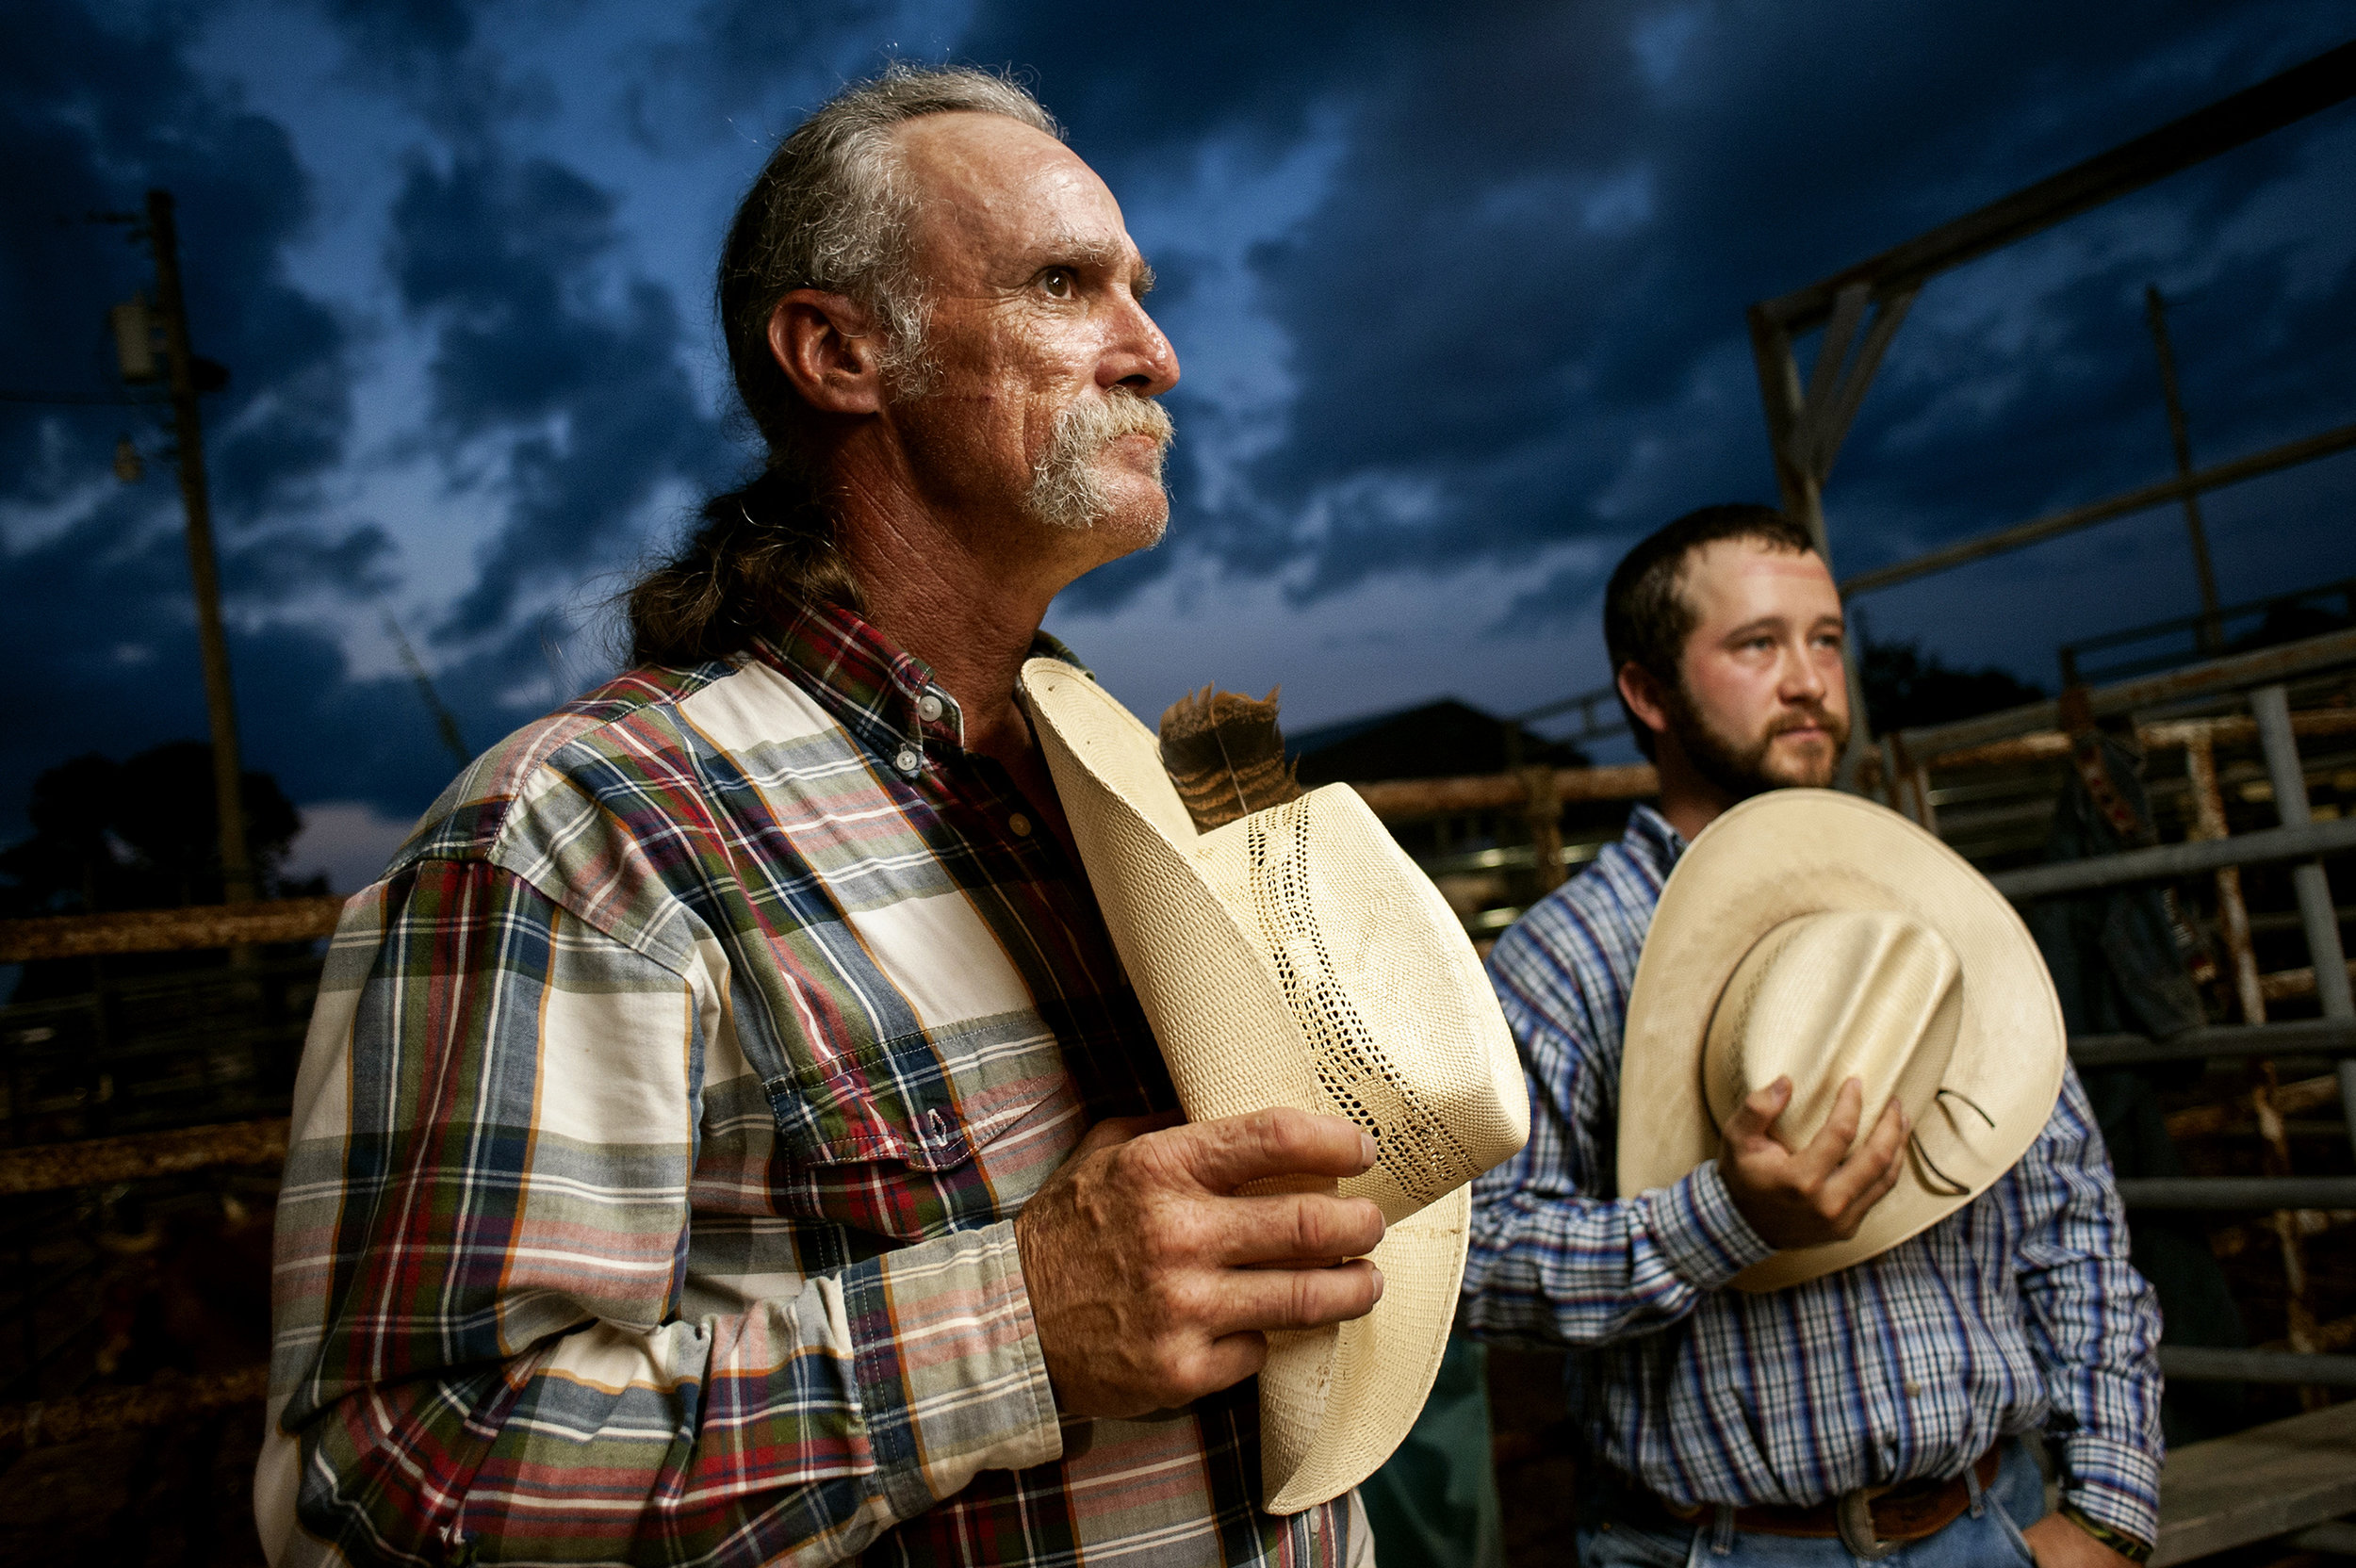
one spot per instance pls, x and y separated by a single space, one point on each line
1822 936
1296 957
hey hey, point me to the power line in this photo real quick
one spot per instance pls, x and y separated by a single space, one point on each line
72 398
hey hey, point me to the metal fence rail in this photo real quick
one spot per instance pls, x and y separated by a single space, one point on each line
2195 1364
2217 677
2189 858
2320 1037
2270 1193
2284 1209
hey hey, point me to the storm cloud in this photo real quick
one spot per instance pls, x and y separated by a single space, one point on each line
1459 294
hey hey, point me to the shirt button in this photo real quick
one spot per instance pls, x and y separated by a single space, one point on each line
928 708
1913 1389
1020 825
909 759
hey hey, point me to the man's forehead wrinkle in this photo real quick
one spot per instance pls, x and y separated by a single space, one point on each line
997 197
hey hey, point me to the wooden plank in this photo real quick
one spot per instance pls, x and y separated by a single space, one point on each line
2217 678
1399 798
2050 744
53 1167
282 920
115 1409
2258 1484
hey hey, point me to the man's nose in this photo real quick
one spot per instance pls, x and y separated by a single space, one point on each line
1801 680
1139 357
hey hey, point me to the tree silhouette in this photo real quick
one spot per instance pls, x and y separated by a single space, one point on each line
140 834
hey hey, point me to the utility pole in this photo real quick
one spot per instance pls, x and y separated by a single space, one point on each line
2212 623
237 865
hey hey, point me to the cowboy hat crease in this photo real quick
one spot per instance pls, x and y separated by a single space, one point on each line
1297 957
1815 934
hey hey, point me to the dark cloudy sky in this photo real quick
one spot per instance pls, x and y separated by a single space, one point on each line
1458 291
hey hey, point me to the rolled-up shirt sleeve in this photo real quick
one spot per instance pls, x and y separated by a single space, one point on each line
480 1348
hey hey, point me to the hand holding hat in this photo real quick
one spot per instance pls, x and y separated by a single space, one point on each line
1153 1284
1817 1194
1162 1254
1820 939
1298 968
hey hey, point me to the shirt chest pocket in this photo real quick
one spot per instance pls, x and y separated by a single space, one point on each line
923 1136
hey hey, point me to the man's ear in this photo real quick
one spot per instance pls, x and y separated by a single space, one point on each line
1641 691
830 349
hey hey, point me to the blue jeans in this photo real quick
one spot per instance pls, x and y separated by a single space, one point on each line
1986 1535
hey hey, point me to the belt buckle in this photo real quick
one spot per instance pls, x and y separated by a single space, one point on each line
1854 1512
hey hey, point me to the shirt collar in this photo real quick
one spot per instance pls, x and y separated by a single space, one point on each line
883 694
1650 836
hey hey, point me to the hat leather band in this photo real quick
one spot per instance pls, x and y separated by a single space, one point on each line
1958 1170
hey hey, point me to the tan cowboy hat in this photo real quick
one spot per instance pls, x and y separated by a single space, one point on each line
1825 936
1296 957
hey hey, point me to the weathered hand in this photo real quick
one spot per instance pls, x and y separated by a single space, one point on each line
2056 1543
1824 1192
1153 1280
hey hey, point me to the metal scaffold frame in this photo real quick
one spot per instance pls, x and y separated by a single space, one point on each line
1861 307
2299 1208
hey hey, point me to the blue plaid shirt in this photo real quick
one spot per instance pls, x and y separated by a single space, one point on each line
2017 1310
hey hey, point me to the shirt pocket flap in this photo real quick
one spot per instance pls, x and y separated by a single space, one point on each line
900 1102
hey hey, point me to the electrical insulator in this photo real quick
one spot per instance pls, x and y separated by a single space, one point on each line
129 467
135 339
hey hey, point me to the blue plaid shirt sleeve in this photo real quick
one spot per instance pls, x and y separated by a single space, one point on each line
2093 1321
1552 1257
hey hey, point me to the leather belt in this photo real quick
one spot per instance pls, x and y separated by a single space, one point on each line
1871 1521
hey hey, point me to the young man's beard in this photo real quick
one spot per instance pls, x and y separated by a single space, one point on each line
1741 770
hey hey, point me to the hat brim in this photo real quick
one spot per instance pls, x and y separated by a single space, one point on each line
1790 852
1337 1402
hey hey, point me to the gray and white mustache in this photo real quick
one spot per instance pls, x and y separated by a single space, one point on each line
1064 489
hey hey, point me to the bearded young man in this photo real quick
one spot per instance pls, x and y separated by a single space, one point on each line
726 1135
1722 1424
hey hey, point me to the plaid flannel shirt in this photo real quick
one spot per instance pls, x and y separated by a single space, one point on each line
657 1145
2018 1308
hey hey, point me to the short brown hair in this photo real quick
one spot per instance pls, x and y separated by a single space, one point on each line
1645 620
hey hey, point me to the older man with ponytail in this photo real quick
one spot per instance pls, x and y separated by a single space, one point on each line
726 1135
